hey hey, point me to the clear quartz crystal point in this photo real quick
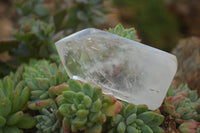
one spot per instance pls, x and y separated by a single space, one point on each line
129 70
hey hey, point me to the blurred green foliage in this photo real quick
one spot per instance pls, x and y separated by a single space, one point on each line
36 36
155 25
40 27
85 13
32 8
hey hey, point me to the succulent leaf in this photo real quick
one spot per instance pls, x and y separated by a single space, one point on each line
26 122
130 109
38 105
88 90
65 110
24 96
121 127
55 91
5 105
2 121
13 119
74 85
146 129
114 109
131 119
12 130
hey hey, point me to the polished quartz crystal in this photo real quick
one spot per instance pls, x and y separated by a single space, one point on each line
129 70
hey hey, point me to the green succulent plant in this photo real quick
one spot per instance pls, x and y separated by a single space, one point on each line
34 36
84 14
32 8
85 108
190 126
17 76
40 26
49 120
39 76
13 99
136 119
182 104
126 33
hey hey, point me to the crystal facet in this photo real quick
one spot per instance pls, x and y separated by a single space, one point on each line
129 70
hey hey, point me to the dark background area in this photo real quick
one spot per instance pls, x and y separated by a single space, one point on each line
160 23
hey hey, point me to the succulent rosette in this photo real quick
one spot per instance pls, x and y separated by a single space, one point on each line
136 119
40 76
182 104
85 108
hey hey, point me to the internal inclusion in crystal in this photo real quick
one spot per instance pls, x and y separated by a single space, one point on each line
103 63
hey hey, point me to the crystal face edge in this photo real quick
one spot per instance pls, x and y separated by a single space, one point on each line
83 33
171 59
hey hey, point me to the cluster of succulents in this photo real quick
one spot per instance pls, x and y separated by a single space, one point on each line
182 104
136 119
46 80
63 105
13 99
85 13
35 36
40 76
41 24
47 83
85 108
49 120
32 8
